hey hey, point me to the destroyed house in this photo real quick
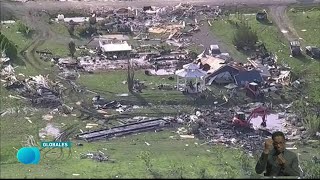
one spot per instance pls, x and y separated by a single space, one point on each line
247 77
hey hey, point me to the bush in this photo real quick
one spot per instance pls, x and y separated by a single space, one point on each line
312 124
245 37
24 29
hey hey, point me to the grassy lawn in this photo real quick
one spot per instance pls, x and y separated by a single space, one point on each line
225 31
11 32
306 19
58 44
57 48
309 20
169 157
275 42
110 84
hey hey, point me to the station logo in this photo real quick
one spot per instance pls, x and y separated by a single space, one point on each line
28 155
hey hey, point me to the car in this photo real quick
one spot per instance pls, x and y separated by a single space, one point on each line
262 15
215 49
313 52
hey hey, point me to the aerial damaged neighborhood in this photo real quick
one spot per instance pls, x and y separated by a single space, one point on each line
160 89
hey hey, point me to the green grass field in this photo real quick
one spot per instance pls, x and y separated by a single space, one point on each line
11 32
170 157
309 20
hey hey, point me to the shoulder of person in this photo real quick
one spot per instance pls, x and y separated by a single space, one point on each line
291 153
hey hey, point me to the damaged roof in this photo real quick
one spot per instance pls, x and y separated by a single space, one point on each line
115 47
226 68
213 62
248 76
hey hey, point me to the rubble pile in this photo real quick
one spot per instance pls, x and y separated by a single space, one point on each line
215 126
97 156
160 35
38 89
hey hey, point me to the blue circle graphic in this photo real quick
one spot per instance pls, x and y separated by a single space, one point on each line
26 155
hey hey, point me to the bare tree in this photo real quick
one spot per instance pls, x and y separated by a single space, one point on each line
71 27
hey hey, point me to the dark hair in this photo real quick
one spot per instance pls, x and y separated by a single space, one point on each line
277 133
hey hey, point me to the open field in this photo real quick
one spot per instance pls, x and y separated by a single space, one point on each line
307 19
170 156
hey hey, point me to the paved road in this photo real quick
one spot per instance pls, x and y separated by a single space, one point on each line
56 5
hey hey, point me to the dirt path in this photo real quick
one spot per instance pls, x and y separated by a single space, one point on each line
205 38
36 21
279 16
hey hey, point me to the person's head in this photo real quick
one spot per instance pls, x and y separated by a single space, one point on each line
278 141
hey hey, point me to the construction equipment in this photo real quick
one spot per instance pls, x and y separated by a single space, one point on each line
240 120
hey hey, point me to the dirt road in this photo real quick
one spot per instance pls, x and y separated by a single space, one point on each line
205 38
35 20
279 16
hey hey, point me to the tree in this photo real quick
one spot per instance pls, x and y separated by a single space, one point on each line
71 30
245 37
72 48
87 30
130 77
71 27
8 47
92 20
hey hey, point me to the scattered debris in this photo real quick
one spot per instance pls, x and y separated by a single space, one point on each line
47 117
49 130
215 126
147 143
97 156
